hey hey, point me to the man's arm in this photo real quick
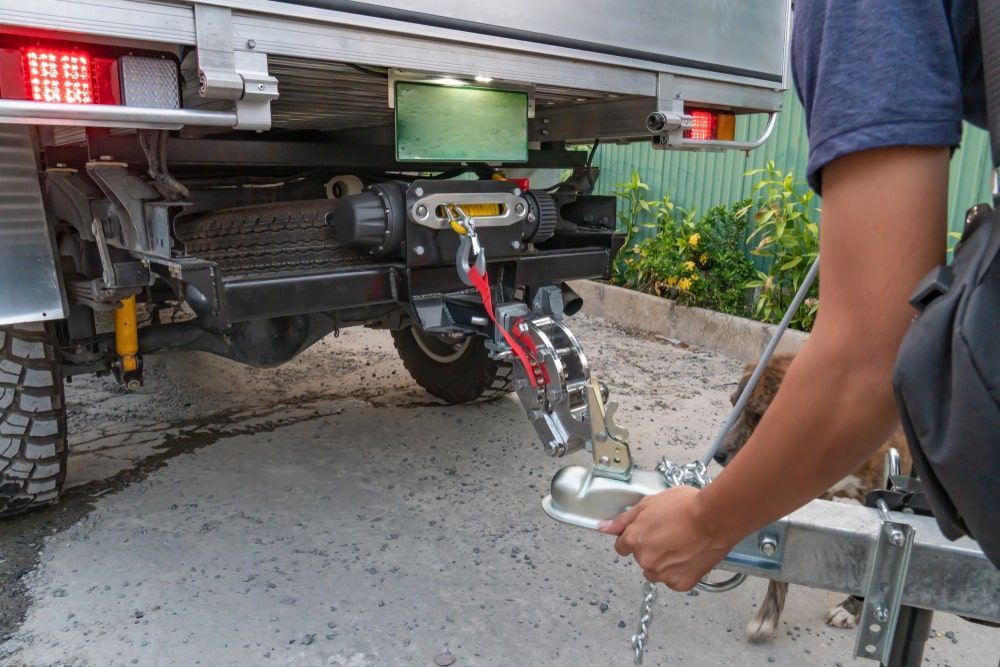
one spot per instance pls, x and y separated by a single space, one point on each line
883 228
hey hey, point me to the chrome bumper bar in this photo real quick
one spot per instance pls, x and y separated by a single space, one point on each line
106 115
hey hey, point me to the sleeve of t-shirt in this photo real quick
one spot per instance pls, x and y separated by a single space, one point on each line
873 74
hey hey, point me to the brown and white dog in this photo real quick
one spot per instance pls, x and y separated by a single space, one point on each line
853 487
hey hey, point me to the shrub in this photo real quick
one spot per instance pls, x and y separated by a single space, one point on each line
697 261
785 236
636 205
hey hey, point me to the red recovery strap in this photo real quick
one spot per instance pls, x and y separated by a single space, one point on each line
482 285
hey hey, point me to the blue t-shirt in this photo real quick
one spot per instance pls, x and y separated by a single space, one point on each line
879 73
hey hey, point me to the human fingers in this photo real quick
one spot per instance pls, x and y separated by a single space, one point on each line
626 542
618 525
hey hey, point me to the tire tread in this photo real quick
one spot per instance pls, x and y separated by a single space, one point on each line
33 447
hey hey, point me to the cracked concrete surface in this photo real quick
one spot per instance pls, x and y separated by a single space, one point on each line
330 512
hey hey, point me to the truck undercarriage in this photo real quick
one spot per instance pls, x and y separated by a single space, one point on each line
244 179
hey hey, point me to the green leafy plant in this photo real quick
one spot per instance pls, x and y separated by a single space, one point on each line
629 218
787 239
724 262
697 261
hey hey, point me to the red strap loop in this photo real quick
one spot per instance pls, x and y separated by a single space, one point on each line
482 285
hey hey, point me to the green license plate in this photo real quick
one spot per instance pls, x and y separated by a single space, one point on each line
460 124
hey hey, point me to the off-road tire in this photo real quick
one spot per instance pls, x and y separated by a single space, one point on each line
471 375
32 419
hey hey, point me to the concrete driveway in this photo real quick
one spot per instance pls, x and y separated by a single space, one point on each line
330 512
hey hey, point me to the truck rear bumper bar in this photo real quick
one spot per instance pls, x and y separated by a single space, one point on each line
107 115
251 298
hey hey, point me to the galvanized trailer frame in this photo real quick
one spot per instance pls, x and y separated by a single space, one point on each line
830 545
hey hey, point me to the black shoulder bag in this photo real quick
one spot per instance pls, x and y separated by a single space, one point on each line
947 375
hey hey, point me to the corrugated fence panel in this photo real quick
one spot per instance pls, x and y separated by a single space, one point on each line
704 180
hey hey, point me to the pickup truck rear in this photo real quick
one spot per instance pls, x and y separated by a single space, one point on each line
244 178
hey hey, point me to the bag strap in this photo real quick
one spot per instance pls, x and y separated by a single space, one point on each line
989 35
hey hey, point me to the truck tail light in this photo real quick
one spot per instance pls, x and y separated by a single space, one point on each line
58 76
711 125
69 74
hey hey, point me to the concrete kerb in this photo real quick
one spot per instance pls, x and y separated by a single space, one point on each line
733 336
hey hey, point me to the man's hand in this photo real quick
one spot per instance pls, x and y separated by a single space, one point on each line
668 539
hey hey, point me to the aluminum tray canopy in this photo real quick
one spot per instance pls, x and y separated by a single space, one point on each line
744 38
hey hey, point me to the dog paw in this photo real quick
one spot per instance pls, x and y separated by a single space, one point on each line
839 617
760 630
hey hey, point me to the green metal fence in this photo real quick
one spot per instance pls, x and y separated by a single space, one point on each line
703 180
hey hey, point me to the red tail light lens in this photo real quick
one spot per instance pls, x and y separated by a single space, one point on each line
710 125
58 76
705 126
65 73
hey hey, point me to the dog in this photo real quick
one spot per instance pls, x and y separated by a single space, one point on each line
854 487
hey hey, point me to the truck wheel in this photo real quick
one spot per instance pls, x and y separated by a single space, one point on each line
32 419
454 372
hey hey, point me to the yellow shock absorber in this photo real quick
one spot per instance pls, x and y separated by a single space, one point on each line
127 336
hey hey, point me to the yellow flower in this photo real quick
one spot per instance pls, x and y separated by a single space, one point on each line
672 281
693 240
689 266
703 259
684 284
694 277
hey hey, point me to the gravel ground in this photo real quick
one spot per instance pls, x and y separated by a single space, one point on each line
330 512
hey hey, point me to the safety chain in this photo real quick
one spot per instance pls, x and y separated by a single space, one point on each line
693 474
645 615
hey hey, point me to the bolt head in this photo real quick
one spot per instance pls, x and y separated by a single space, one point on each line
421 211
419 192
553 448
251 43
600 436
896 538
604 460
881 614
768 545
133 385
515 245
419 250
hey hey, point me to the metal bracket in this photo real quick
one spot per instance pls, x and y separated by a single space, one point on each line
886 577
128 195
669 121
431 210
612 457
227 74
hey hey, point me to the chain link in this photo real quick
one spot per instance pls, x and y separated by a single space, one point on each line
693 474
645 615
